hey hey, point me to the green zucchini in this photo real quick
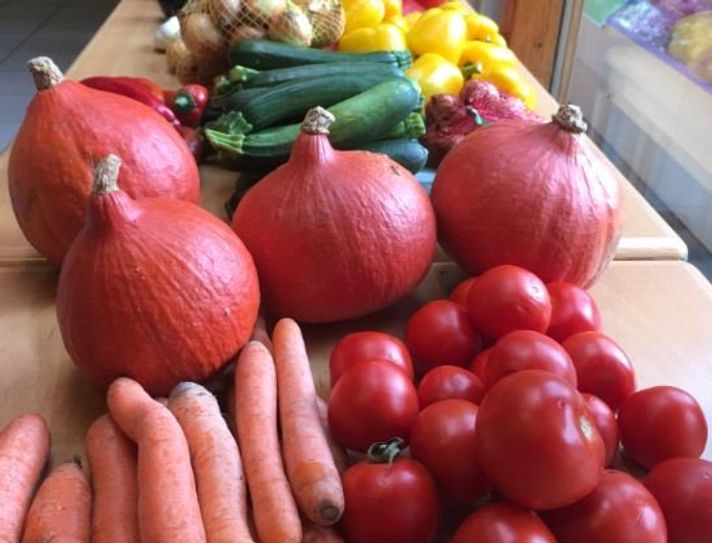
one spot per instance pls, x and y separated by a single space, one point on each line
360 119
412 127
248 78
409 153
267 55
272 105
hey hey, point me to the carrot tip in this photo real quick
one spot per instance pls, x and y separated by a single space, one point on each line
329 513
183 387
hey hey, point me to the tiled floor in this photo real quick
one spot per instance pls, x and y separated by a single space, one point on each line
28 28
61 29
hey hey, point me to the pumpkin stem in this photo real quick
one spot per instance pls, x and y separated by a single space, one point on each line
317 121
45 72
570 118
106 175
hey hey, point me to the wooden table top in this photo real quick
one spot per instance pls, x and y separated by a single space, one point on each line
660 313
123 46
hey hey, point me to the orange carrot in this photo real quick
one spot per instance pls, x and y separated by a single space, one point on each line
320 534
168 509
341 457
112 459
61 507
259 333
310 465
24 447
216 463
274 511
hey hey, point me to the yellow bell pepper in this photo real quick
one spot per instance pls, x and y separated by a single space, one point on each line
508 79
439 31
398 21
393 7
498 39
412 18
455 5
435 74
363 13
382 37
483 57
480 27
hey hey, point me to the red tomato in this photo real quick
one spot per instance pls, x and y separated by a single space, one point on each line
606 423
507 298
443 439
537 442
503 523
461 290
660 423
479 364
572 311
440 333
373 401
528 350
619 510
389 503
602 368
361 346
445 382
683 488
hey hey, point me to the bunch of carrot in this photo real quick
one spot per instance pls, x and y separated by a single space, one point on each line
167 470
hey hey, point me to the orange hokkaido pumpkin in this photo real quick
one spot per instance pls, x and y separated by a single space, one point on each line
535 195
156 289
336 234
67 128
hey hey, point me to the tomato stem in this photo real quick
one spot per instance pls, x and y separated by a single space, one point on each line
385 452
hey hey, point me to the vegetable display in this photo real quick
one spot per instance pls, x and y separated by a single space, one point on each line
304 225
499 412
249 118
166 265
565 222
66 126
523 457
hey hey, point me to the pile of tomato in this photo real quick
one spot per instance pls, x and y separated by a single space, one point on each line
507 413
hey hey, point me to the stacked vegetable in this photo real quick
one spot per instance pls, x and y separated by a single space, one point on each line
451 43
270 85
520 438
66 126
165 470
210 27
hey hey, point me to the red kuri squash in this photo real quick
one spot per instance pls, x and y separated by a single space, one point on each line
536 195
336 234
156 289
67 128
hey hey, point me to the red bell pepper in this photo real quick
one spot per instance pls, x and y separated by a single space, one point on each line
135 91
189 103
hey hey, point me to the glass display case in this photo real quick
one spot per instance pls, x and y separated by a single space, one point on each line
642 72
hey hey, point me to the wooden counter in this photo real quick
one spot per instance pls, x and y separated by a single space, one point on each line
123 47
660 313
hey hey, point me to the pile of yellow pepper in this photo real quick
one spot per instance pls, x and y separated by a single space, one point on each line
451 43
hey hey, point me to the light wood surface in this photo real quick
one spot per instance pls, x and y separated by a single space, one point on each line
122 46
660 313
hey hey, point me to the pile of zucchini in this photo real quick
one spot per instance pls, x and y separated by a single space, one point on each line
255 112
